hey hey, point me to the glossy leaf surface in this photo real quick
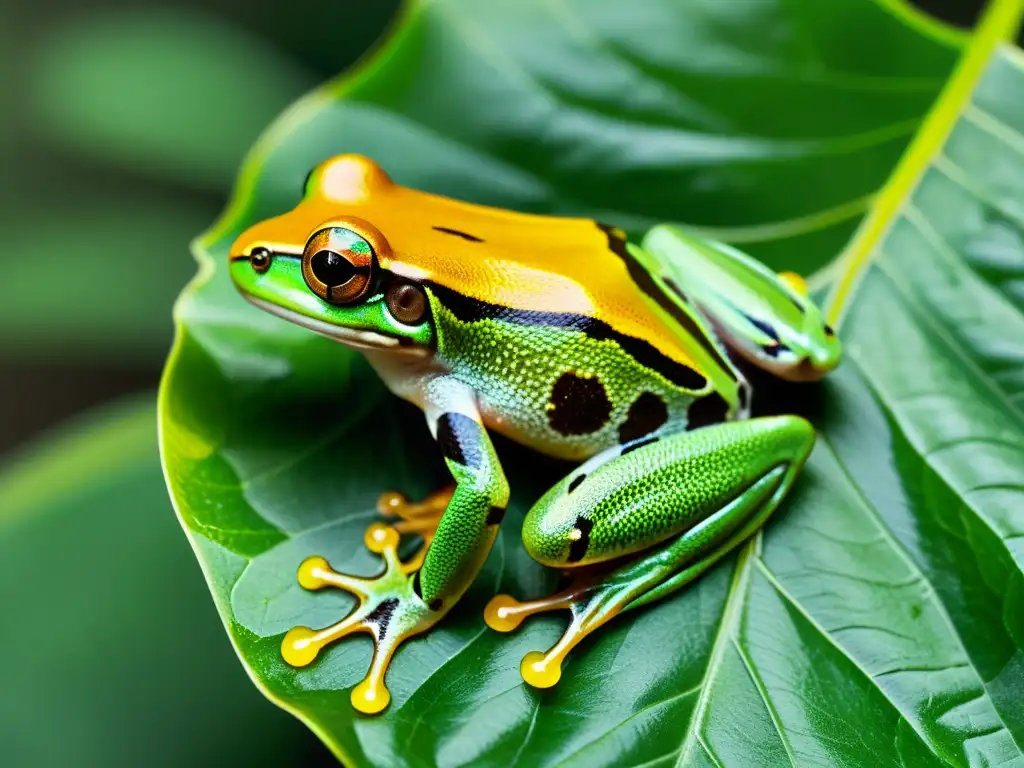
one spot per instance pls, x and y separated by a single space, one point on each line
768 123
876 622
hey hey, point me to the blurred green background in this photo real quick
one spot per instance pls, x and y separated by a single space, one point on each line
123 122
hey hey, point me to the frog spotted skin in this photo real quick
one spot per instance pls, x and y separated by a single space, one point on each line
565 337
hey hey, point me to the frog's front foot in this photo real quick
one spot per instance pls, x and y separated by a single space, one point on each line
389 609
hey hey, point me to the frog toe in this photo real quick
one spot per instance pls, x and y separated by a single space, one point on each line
590 604
794 281
417 518
389 610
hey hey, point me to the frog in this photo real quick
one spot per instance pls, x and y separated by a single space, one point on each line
564 335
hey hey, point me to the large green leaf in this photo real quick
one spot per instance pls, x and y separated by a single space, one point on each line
112 655
768 124
878 619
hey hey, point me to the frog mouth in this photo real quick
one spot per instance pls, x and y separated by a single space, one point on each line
363 340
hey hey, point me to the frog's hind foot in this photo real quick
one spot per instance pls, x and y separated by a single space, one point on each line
418 518
590 602
389 610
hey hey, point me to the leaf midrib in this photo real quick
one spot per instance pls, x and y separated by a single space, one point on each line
727 625
998 25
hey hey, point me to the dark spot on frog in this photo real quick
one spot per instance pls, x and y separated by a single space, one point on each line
579 545
495 515
578 405
459 233
647 413
766 328
915 610
773 347
638 444
743 392
435 604
575 483
381 615
710 409
459 439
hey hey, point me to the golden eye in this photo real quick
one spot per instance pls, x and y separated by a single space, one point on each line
337 265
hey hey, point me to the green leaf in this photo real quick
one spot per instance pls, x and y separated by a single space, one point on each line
770 124
877 621
173 93
7 89
112 653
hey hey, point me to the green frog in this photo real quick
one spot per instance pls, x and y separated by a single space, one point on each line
566 337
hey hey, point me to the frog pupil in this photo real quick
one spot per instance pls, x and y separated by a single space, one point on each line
331 268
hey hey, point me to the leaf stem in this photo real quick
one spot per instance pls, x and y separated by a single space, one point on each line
1000 22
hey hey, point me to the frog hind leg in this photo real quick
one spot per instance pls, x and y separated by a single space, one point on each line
767 318
751 464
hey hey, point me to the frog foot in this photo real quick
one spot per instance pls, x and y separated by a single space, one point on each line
420 518
389 610
590 604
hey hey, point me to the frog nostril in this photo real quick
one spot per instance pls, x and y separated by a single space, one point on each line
259 259
331 268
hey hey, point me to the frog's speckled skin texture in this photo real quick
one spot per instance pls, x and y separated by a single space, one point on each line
516 370
474 512
666 486
565 337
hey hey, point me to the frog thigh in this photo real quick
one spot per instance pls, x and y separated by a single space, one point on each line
630 498
736 474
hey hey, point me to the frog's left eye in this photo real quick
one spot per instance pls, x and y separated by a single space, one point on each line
337 265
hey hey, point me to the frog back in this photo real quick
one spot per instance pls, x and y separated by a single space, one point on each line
569 271
558 281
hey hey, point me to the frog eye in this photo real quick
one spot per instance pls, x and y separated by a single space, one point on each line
337 265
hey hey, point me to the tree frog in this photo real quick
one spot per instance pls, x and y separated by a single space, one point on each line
568 338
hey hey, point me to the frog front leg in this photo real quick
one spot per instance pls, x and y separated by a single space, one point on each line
669 507
409 598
